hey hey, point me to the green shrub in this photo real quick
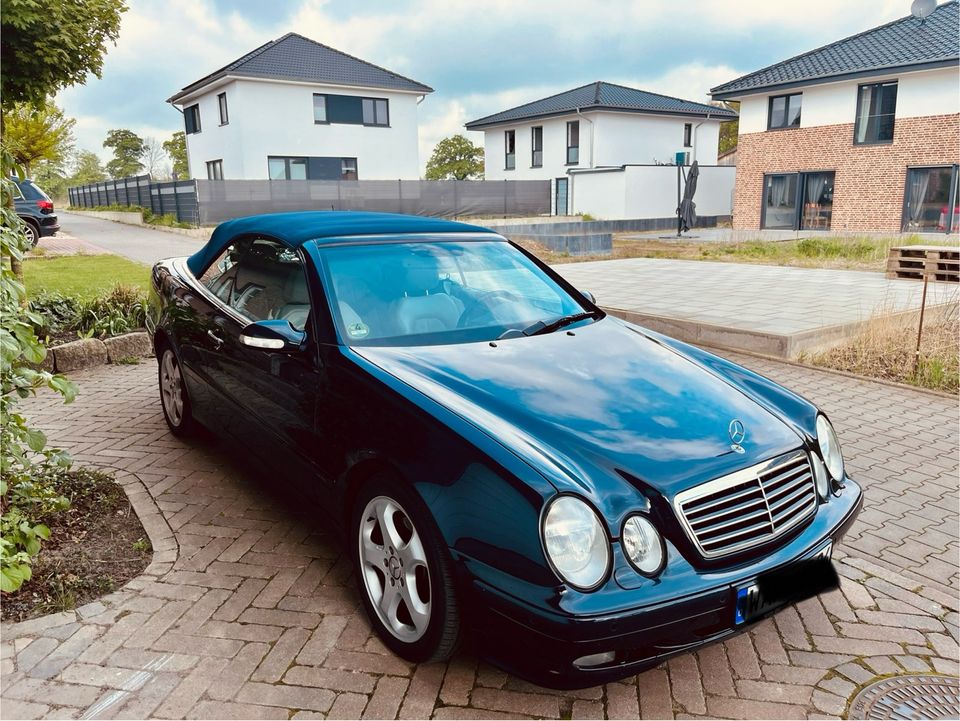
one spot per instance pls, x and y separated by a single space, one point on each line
121 310
56 310
26 464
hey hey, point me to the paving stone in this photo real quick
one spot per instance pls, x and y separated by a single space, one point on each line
385 702
458 681
838 686
685 683
772 691
422 692
314 699
333 679
883 665
529 704
231 710
736 708
349 706
281 655
653 689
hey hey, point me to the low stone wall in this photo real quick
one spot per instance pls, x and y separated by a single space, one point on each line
603 226
88 352
573 243
117 216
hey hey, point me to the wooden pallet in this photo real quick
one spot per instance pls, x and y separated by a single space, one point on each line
914 262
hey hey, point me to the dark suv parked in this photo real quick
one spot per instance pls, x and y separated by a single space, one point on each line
36 210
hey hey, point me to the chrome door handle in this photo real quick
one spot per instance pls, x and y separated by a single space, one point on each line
215 338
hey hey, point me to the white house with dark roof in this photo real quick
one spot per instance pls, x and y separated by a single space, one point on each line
296 109
600 125
862 134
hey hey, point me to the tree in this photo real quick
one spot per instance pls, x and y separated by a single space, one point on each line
128 151
155 159
729 130
48 45
87 168
455 158
35 134
176 148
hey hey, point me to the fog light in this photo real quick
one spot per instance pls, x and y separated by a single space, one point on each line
595 659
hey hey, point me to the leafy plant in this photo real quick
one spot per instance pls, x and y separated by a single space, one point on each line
25 460
56 311
121 310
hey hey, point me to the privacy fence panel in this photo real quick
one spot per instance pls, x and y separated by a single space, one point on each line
221 200
178 198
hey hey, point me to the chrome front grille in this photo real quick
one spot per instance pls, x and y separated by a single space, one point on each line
749 507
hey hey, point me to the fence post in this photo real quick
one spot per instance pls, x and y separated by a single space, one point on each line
176 200
160 198
456 198
399 195
505 198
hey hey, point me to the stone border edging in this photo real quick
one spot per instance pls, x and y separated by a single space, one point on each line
166 550
198 233
89 352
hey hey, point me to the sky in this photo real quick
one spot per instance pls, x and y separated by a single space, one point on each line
480 57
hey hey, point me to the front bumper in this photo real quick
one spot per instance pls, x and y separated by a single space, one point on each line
540 644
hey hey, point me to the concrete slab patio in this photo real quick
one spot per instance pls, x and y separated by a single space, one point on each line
771 310
248 609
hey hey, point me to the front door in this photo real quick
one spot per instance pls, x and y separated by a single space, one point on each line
273 396
560 203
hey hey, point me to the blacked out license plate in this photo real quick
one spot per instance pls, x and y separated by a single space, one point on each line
774 589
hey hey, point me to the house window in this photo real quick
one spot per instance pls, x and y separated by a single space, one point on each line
930 202
573 142
794 201
319 108
375 112
688 135
215 169
222 103
287 168
536 145
510 149
191 119
348 169
876 108
784 111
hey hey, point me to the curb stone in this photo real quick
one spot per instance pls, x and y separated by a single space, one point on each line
89 352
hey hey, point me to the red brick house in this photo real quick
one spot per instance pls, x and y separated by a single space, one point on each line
859 135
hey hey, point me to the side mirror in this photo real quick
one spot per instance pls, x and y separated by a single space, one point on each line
277 335
589 296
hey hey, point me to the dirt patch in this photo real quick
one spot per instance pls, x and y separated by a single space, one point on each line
95 547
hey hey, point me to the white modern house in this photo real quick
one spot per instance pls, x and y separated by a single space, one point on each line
597 126
295 109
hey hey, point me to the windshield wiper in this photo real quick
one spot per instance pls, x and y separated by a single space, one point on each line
541 326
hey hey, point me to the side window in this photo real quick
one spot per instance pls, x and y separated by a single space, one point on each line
269 283
219 277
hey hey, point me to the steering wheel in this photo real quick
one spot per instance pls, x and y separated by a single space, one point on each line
481 309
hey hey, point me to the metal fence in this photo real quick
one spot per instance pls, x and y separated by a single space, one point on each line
224 199
177 197
205 202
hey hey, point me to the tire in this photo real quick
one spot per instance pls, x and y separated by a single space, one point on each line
174 400
404 576
32 233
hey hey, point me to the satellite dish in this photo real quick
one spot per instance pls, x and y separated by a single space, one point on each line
922 8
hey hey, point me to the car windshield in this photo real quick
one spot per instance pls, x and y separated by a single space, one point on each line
429 293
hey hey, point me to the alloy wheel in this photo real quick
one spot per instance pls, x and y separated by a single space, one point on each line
394 569
30 234
171 391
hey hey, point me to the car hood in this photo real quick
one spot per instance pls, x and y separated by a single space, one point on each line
595 407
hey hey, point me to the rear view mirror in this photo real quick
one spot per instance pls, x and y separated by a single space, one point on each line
276 335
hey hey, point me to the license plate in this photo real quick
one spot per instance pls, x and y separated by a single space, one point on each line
772 590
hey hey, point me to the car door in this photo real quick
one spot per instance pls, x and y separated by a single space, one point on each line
273 396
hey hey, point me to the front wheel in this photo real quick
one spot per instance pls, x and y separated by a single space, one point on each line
173 395
403 572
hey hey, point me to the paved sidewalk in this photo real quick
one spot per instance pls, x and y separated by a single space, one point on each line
248 609
140 243
65 244
772 310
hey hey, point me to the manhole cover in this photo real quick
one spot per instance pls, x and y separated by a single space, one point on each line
908 697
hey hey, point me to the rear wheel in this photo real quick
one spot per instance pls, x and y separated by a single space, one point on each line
173 395
403 572
31 233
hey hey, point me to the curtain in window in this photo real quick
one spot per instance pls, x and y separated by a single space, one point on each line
778 191
916 193
816 182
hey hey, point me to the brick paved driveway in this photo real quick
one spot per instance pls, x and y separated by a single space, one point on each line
248 610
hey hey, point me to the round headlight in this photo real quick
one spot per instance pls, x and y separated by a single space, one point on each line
820 476
643 545
830 448
576 543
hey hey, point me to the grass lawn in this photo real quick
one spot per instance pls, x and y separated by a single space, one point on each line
83 275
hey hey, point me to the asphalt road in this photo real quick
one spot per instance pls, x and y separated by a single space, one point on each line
142 244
